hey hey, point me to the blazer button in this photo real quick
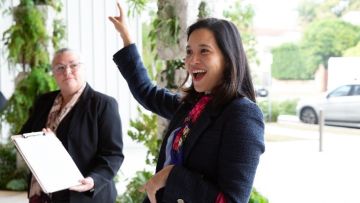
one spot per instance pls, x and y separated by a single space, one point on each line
180 201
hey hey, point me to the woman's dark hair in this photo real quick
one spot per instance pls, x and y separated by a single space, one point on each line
237 79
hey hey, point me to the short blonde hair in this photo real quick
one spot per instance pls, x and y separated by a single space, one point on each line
63 50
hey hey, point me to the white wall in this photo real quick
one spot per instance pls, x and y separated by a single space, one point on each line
90 32
343 70
6 78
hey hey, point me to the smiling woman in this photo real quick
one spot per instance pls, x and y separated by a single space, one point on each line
213 143
204 61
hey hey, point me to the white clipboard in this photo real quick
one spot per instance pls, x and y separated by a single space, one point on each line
48 160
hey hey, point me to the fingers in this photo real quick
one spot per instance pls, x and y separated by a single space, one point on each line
112 19
142 189
121 10
150 190
81 188
121 17
150 193
47 131
120 26
152 198
86 184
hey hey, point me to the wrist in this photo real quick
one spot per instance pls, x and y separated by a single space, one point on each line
168 169
126 40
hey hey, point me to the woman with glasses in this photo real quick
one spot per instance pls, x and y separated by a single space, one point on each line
88 125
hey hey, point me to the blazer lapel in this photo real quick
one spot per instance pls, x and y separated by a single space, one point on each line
42 115
174 123
79 111
196 131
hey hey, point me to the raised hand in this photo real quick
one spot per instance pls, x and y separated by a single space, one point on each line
120 25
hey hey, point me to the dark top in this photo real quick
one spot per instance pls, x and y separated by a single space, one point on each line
91 133
222 150
2 101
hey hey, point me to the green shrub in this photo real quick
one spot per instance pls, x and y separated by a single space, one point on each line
132 193
289 63
256 197
7 163
19 184
16 111
287 107
144 130
11 178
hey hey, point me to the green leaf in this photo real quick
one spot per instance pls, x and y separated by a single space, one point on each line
17 184
329 38
17 109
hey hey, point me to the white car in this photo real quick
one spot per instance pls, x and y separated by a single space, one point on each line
340 106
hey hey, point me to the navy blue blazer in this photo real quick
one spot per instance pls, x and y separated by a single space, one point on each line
91 133
222 150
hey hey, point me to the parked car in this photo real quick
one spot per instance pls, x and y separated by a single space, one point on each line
261 92
340 106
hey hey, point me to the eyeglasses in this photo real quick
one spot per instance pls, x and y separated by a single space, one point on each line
61 68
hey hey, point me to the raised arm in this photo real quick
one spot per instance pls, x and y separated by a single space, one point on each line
156 99
121 26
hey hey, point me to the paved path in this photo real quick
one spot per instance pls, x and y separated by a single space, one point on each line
13 197
295 171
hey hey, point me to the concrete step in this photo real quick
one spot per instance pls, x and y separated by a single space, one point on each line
13 197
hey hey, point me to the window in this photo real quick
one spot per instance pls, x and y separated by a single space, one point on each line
341 91
356 90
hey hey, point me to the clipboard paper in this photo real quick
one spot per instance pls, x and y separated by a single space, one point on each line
48 160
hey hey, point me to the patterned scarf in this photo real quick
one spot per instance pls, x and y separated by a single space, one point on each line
181 135
57 113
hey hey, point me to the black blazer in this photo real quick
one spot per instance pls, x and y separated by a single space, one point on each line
222 150
91 132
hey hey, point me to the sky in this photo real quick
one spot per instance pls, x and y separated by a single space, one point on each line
275 13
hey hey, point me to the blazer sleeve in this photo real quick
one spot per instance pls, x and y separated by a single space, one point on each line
38 113
242 143
27 126
109 155
158 100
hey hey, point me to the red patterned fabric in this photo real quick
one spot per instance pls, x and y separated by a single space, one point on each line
220 198
190 119
42 198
